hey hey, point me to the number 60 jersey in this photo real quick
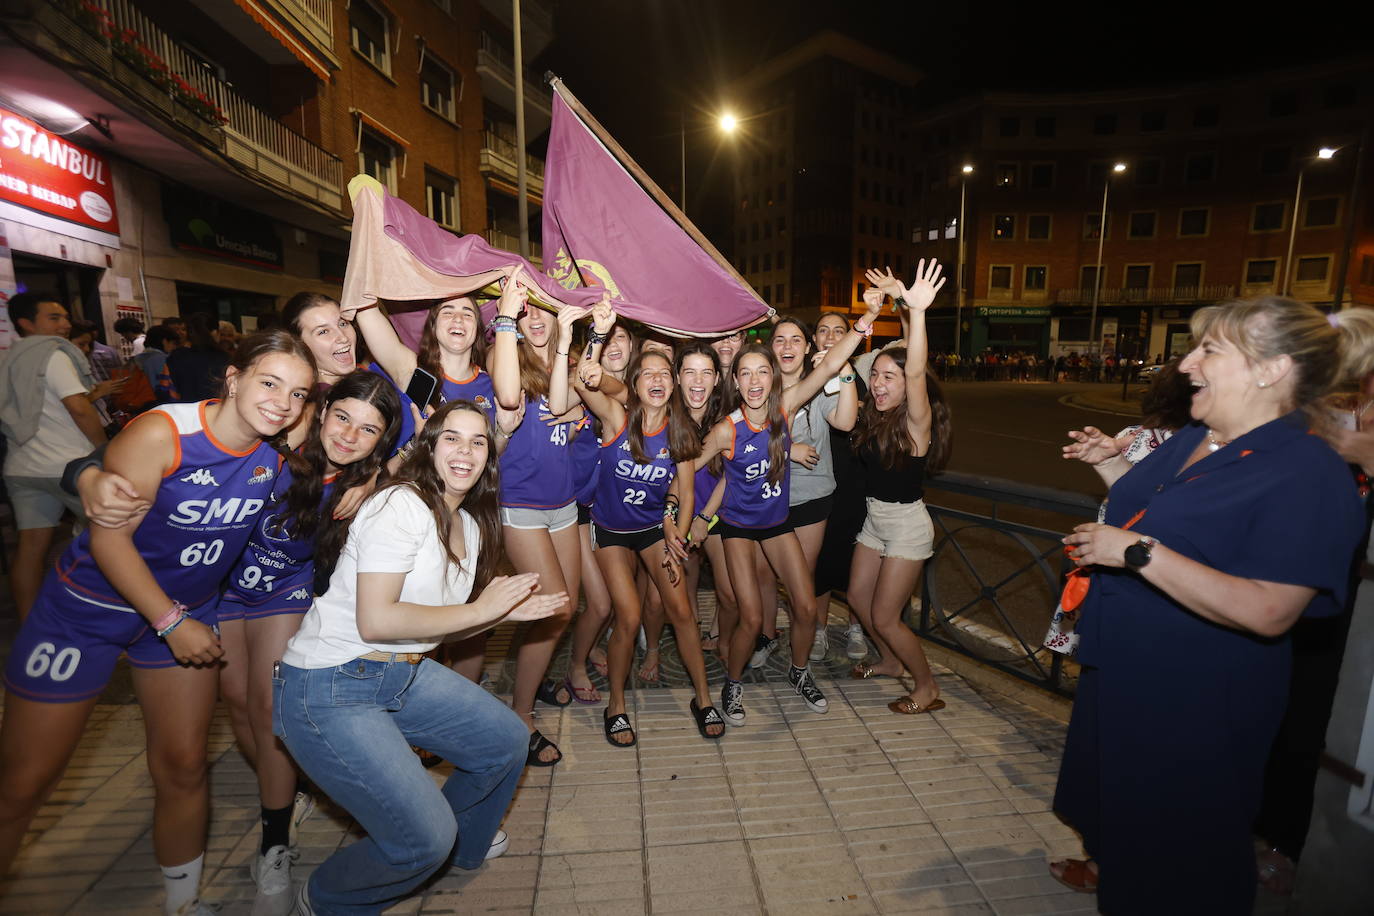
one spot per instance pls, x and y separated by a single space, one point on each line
206 508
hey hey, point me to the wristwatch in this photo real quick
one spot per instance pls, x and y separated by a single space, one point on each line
1138 555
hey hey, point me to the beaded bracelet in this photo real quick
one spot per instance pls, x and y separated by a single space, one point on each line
593 338
171 620
864 332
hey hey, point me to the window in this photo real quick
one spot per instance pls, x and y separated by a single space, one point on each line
782 260
1004 175
1341 95
1089 277
933 228
377 157
1193 222
1142 225
999 276
863 224
1098 173
368 27
754 232
1035 278
1146 172
1258 272
858 291
1200 167
1321 211
1206 116
1283 103
1042 176
863 189
1104 125
863 257
1312 270
436 87
768 260
782 192
1004 226
1152 120
754 264
781 287
1187 276
782 224
767 229
951 227
1092 225
1044 127
1138 276
441 199
1275 160
1008 127
1038 226
1267 217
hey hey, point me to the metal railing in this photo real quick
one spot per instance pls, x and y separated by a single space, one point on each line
1165 294
254 137
508 242
506 150
992 585
492 54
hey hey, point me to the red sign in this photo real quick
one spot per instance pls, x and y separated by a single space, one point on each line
45 172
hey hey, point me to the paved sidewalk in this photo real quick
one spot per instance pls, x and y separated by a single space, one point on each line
855 811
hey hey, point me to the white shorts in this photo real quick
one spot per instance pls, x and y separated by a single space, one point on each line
901 530
533 519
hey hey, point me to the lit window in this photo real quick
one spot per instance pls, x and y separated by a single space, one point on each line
441 199
436 87
1004 175
368 27
1004 226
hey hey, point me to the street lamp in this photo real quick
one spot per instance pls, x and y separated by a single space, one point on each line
967 170
1094 338
1323 154
727 123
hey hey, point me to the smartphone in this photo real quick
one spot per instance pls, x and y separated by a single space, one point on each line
421 387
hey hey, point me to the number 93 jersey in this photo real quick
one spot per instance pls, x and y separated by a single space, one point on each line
630 495
205 510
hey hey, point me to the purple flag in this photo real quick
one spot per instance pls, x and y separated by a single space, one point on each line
602 230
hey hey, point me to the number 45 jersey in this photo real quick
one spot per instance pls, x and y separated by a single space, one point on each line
205 510
276 572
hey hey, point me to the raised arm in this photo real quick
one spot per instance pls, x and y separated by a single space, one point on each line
503 362
606 408
916 298
384 343
836 356
561 398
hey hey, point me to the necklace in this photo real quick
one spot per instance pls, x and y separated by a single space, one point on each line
1212 443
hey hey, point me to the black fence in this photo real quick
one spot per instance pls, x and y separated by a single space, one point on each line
993 583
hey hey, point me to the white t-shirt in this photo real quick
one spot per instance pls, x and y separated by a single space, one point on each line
394 532
58 439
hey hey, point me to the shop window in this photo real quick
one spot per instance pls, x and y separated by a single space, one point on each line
1321 211
436 87
377 157
1267 217
368 28
1261 272
441 199
1313 270
1035 278
1193 222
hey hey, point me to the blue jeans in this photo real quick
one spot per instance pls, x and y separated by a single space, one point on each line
351 727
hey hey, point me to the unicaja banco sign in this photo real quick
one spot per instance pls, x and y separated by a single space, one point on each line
43 171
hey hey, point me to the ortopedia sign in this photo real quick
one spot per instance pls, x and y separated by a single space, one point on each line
45 172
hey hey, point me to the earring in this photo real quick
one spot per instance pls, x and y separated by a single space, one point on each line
1262 384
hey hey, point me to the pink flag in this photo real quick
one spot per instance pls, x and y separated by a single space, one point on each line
601 229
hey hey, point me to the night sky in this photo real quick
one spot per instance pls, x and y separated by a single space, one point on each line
636 63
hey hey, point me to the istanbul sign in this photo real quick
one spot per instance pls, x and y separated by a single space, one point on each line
42 171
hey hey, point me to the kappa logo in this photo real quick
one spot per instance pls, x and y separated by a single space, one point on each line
261 475
200 476
625 446
749 448
300 593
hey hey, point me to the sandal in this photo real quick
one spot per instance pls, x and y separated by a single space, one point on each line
537 745
652 675
862 672
1075 875
548 693
585 696
615 724
600 667
710 641
909 707
705 719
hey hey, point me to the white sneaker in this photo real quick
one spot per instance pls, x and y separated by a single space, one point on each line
301 808
856 647
764 647
821 645
271 872
499 844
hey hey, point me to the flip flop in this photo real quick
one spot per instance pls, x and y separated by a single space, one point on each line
537 744
909 707
615 724
584 696
655 667
548 693
1076 875
600 668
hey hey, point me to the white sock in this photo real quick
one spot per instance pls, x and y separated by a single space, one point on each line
182 883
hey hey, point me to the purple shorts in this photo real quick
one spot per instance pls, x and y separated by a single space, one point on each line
67 648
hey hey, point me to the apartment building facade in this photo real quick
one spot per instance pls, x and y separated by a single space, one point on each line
229 129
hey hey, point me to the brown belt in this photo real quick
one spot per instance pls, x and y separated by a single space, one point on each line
410 658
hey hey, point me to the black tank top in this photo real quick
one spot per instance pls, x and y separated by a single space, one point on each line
902 484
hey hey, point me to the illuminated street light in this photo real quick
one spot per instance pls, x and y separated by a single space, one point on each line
1094 344
968 170
728 123
959 268
1323 154
1119 167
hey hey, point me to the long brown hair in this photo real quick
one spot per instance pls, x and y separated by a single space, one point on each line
534 372
427 355
482 502
777 421
683 441
259 346
305 514
886 431
715 410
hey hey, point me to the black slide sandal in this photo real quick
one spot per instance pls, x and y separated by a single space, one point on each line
537 744
705 718
548 693
615 724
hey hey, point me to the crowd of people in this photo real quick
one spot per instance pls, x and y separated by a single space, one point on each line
325 539
998 364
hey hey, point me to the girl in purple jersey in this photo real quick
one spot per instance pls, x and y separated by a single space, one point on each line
207 469
644 480
295 544
754 440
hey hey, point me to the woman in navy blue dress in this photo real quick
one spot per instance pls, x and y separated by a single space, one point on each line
1211 550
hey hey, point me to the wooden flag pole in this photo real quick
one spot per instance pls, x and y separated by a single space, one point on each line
663 200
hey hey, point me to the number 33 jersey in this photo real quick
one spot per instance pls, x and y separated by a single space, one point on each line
205 511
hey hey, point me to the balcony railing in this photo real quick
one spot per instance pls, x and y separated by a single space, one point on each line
314 17
508 242
493 56
499 159
134 52
1152 294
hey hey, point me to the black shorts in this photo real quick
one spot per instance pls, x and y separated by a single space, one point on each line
584 514
811 511
632 540
728 531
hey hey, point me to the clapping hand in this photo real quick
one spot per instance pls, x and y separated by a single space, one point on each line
1091 446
